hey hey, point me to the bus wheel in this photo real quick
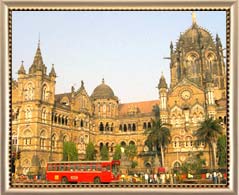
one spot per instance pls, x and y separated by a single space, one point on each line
97 180
64 180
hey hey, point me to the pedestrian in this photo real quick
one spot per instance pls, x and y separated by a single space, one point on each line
146 178
163 178
214 177
174 178
156 178
219 177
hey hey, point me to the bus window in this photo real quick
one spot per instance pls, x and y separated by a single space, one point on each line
49 168
77 168
82 167
72 168
57 168
98 167
108 167
93 167
87 167
62 167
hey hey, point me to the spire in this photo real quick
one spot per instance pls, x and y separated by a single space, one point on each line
53 72
22 69
194 22
162 82
38 61
171 47
103 81
218 41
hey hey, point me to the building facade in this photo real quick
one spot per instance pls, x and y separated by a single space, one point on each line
42 120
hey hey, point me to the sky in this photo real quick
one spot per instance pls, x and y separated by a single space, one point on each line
126 48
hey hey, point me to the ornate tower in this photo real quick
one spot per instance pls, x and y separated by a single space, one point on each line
196 53
163 97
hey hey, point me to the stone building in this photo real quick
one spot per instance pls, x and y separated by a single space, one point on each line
42 120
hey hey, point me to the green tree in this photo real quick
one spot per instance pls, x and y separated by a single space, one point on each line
160 136
69 151
130 151
104 153
90 152
208 132
222 151
117 153
194 163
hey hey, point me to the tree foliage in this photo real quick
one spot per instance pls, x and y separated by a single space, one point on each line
104 153
69 151
193 164
222 151
208 132
90 152
159 135
117 153
130 151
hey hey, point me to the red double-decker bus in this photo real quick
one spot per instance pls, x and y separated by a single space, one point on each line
83 172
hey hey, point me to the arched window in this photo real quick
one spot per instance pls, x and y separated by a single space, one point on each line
176 165
123 144
27 136
188 142
176 143
101 146
134 127
28 114
101 127
120 127
43 115
14 138
43 140
75 122
112 147
131 143
65 138
144 125
53 142
107 127
29 92
149 125
225 120
112 127
45 92
125 127
81 123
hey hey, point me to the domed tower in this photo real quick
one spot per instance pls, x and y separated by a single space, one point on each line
105 107
196 53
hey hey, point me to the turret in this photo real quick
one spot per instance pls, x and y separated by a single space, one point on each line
52 74
21 70
162 86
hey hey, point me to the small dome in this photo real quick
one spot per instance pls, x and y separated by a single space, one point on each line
103 91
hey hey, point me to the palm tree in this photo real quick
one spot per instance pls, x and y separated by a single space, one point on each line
209 132
160 136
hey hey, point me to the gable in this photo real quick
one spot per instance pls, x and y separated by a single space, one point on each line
185 93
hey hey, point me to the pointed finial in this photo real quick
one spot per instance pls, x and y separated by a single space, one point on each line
82 83
22 62
103 81
39 40
194 17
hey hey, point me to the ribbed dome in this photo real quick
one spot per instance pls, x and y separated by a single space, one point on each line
103 91
195 34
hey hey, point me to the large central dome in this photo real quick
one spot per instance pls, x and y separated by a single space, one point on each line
103 91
